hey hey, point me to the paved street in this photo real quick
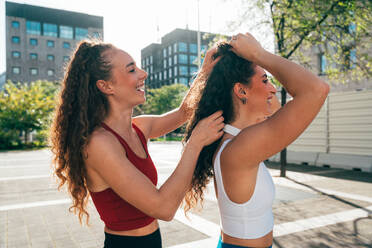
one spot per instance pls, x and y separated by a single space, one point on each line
314 207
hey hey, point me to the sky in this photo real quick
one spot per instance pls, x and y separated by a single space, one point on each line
133 25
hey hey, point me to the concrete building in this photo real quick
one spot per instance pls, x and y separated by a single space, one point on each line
174 60
2 80
39 40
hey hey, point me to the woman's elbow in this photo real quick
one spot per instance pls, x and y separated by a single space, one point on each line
324 89
163 212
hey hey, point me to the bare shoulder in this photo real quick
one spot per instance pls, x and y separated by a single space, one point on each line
100 145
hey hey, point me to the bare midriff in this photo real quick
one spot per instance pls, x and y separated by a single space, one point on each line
265 241
142 231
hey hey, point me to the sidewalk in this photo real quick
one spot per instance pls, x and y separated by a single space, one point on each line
314 207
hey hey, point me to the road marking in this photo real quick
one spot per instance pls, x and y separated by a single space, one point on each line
210 242
198 223
320 221
290 184
24 178
34 204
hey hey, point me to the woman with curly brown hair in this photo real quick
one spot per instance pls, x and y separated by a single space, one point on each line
238 85
101 150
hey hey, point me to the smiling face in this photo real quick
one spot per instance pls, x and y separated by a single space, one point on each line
260 94
128 81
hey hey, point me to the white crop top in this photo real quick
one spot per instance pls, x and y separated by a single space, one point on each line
254 218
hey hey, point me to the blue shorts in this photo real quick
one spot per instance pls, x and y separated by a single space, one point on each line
224 245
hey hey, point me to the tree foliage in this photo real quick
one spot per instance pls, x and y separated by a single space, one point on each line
25 107
163 99
339 29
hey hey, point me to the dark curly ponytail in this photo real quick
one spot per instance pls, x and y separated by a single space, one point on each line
81 108
216 95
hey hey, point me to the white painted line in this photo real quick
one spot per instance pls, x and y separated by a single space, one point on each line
317 222
34 204
31 166
24 159
346 195
202 225
210 242
288 183
23 178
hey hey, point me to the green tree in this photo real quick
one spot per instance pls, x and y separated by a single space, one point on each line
340 29
163 99
25 107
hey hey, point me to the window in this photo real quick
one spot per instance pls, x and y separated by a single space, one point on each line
66 58
50 43
66 32
16 54
165 74
151 69
322 64
184 81
175 71
182 58
170 61
175 47
81 33
353 58
193 48
66 45
183 71
165 63
50 72
175 59
33 56
50 57
15 24
352 28
33 71
160 76
182 47
96 35
193 59
203 48
16 70
33 27
164 52
15 39
169 50
33 42
151 59
50 30
170 72
193 69
147 61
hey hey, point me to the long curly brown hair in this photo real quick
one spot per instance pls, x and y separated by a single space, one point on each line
215 94
81 108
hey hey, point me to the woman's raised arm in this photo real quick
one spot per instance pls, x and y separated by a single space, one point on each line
258 142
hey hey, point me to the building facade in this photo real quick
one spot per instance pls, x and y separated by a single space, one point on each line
174 60
39 40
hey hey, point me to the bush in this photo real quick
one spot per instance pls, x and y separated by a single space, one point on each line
24 108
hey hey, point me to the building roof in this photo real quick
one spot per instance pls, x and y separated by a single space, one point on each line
56 16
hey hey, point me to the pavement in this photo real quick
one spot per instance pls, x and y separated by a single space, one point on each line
314 207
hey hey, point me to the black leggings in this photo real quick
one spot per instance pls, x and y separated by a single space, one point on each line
152 240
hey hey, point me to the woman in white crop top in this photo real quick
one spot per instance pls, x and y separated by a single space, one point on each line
238 85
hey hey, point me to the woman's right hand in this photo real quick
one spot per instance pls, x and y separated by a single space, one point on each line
208 130
246 46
